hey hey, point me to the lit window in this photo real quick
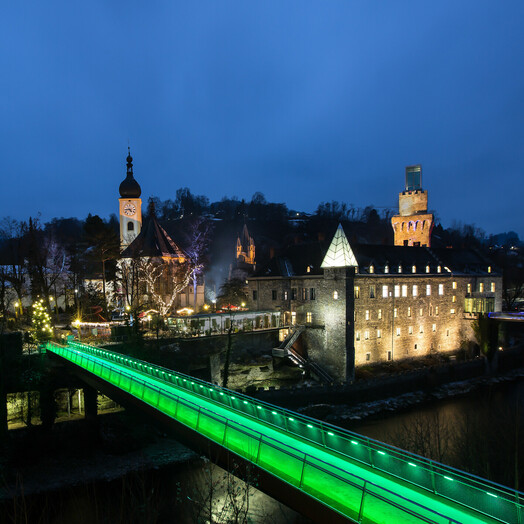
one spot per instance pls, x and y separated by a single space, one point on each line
468 288
410 330
357 335
489 269
386 269
439 269
454 285
415 290
384 291
428 290
285 295
427 269
452 311
395 312
481 287
372 269
380 314
453 298
397 291
421 329
366 335
398 332
441 289
368 357
308 269
357 292
400 269
409 311
379 333
413 269
436 311
367 314
434 328
421 312
335 295
372 291
309 317
404 290
493 287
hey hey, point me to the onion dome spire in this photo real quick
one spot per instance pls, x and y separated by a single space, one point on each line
130 188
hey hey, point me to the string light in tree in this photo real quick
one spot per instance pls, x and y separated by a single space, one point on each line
41 322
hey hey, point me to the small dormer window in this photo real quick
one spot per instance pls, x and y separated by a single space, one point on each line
427 269
439 269
413 269
399 268
386 269
489 269
308 269
372 268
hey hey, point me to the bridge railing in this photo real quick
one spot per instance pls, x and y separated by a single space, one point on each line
469 490
344 492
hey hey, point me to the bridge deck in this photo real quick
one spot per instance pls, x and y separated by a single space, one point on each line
362 479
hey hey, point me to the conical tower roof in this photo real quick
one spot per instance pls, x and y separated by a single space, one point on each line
339 253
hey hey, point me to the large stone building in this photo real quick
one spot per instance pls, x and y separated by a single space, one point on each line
361 304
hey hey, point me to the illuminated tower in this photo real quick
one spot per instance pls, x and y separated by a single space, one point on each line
246 248
130 207
413 224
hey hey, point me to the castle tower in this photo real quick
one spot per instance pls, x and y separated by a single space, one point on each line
413 224
245 248
130 207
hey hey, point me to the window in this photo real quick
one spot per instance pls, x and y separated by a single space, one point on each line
379 333
436 311
415 290
439 269
380 314
255 294
357 335
452 311
468 289
413 269
397 291
304 293
366 335
273 294
390 355
335 295
428 290
421 330
293 293
430 311
130 226
395 312
371 269
453 298
400 269
409 311
492 289
481 287
367 314
489 269
404 290
285 295
441 289
386 269
447 332
368 357
357 292
398 332
384 291
312 293
454 285
427 269
434 328
308 269
416 346
293 317
372 291
309 317
410 330
421 312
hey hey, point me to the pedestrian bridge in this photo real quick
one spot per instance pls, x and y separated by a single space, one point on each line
322 471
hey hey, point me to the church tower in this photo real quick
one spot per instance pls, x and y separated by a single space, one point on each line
413 224
130 207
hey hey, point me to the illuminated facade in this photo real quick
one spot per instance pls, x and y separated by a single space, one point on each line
413 225
130 207
245 249
364 304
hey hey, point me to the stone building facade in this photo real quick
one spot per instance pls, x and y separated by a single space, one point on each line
370 303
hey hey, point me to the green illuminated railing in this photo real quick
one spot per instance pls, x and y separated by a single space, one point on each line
311 455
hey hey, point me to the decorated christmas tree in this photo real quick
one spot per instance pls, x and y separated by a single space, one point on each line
41 325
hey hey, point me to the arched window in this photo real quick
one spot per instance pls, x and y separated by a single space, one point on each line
130 226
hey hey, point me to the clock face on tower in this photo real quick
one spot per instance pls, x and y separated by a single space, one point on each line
129 209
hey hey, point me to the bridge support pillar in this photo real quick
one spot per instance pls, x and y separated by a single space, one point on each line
214 368
90 403
47 406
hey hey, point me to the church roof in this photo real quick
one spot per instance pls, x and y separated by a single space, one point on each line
153 241
339 253
130 188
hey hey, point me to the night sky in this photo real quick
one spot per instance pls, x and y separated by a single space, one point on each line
304 101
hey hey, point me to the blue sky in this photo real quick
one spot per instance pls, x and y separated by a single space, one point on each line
304 101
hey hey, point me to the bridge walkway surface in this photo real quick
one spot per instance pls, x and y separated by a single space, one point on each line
355 478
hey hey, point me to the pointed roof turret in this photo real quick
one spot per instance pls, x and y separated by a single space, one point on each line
130 188
339 253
